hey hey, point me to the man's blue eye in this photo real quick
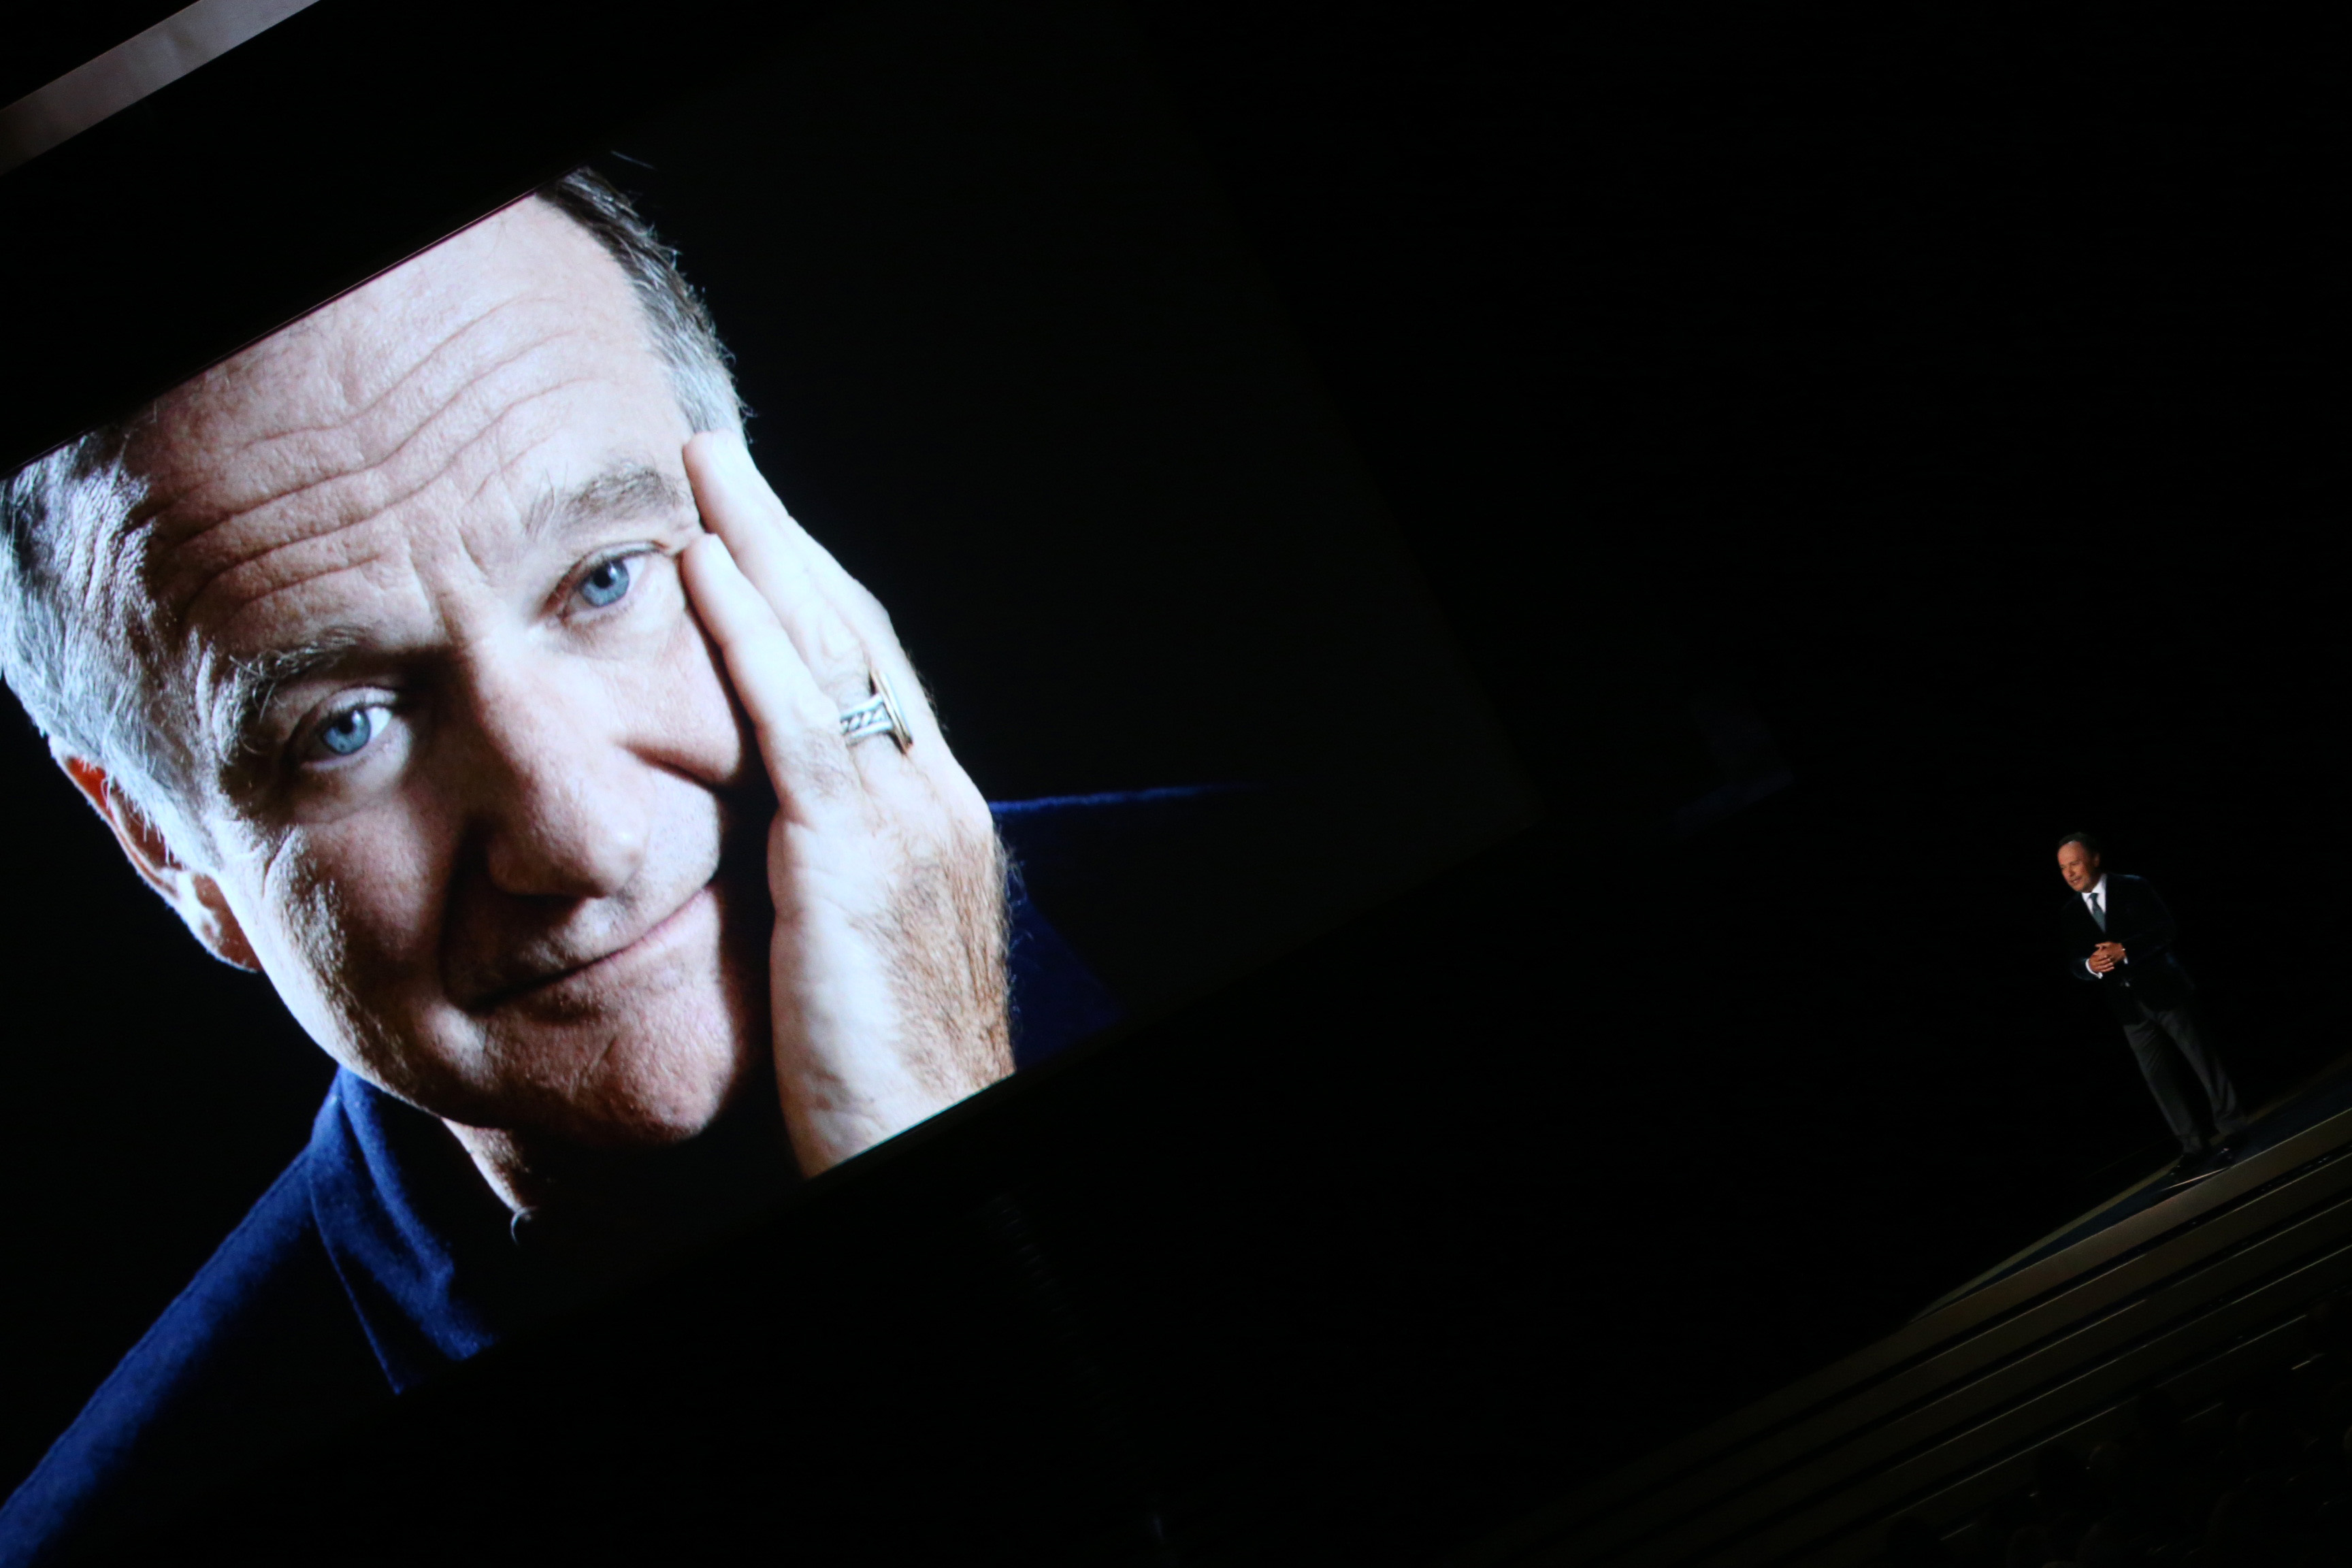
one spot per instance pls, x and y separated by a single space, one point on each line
349 730
605 582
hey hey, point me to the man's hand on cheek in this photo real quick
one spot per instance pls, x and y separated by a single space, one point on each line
887 968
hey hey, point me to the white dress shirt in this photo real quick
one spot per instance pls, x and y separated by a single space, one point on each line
2098 891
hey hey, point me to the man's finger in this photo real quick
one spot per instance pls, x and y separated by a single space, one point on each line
839 627
730 460
738 506
798 725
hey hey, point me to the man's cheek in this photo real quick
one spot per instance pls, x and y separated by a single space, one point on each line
694 706
354 908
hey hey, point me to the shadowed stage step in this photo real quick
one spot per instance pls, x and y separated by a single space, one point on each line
2202 1298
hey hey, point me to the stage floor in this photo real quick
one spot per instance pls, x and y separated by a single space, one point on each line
2325 1093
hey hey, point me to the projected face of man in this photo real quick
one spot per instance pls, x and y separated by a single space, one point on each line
2079 866
479 802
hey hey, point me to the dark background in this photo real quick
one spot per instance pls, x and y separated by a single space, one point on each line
1925 428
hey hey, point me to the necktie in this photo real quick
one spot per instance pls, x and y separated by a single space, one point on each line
2097 913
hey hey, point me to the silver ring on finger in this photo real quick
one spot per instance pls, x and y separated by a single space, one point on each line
877 715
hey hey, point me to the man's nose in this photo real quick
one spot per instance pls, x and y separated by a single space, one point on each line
549 786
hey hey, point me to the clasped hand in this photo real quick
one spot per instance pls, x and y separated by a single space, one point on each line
887 968
2105 956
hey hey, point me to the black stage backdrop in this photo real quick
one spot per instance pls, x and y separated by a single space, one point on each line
1850 455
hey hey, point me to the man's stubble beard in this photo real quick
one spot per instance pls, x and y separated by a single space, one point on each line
655 1063
588 1148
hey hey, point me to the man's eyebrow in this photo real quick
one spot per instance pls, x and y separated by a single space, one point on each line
628 489
254 681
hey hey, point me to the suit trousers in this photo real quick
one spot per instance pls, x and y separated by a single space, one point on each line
2164 1039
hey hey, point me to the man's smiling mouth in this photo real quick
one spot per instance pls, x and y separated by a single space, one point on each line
561 977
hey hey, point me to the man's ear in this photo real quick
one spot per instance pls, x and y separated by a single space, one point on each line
195 896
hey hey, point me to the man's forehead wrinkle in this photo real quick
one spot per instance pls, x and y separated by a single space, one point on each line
357 467
199 569
255 605
354 367
232 390
343 348
502 473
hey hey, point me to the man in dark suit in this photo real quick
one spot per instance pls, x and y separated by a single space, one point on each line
2120 937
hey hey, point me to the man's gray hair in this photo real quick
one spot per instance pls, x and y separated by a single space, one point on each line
67 646
682 331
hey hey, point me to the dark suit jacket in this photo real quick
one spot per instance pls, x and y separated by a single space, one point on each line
2153 974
